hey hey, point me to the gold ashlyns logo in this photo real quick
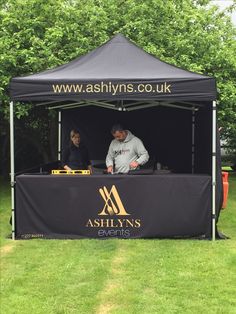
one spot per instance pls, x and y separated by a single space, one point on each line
113 204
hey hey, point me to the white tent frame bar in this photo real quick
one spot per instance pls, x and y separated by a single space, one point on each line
126 107
111 105
59 135
146 105
105 103
66 105
12 170
193 140
47 103
191 104
178 106
70 107
213 170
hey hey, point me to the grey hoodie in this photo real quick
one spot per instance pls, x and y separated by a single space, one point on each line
121 154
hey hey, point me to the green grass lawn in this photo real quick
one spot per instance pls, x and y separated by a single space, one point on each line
119 276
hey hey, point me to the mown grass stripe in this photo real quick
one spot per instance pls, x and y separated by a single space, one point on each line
106 297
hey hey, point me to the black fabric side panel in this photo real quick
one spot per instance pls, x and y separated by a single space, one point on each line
203 140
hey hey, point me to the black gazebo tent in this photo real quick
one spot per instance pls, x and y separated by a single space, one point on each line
121 76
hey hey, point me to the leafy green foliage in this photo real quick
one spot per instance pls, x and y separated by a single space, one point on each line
38 35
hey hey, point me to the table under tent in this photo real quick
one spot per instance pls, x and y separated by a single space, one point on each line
172 110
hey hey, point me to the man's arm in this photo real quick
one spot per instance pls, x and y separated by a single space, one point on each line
110 158
142 153
64 160
87 160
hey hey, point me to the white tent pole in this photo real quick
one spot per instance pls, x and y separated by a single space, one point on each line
67 105
193 139
59 135
213 170
12 156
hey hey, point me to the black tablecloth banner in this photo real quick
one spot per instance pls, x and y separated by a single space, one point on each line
152 206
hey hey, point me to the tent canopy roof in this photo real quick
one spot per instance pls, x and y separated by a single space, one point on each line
118 61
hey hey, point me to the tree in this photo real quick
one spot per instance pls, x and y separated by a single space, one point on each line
38 35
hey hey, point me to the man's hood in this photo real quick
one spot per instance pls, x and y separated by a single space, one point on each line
128 137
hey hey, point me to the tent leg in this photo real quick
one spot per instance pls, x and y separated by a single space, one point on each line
12 154
213 170
193 139
59 135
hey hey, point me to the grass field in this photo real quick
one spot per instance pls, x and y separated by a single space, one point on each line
119 276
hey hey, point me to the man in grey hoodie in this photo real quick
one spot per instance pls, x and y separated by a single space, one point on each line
126 151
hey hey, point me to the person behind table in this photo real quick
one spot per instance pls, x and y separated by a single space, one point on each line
126 151
75 156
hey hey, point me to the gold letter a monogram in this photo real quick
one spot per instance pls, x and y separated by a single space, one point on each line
113 204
